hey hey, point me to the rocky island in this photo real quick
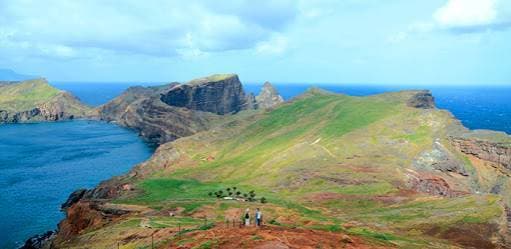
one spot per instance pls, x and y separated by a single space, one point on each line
382 171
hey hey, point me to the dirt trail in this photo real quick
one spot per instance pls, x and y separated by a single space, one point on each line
272 237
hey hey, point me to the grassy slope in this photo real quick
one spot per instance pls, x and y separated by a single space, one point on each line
26 95
323 160
30 94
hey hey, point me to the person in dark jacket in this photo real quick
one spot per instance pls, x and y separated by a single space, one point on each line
247 217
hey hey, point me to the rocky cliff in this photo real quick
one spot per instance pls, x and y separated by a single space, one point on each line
165 113
494 147
220 94
35 100
422 99
268 97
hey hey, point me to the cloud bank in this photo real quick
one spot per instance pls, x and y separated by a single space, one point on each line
465 16
71 29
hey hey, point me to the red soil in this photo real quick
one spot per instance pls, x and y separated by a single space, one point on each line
271 237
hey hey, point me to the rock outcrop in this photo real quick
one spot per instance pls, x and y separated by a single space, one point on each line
423 99
165 113
439 158
268 97
40 241
495 152
219 94
36 100
432 185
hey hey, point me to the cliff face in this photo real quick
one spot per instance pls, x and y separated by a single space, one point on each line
269 97
163 114
494 152
36 100
219 94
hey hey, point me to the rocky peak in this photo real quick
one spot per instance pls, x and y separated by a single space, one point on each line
423 100
219 93
269 97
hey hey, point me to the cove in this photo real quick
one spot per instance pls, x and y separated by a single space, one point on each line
42 163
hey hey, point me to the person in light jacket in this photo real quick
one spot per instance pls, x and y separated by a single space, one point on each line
258 217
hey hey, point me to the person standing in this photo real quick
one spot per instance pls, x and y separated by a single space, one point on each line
258 217
247 217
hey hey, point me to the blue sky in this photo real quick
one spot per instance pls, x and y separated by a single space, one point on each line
413 42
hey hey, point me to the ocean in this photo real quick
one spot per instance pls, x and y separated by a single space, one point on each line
43 163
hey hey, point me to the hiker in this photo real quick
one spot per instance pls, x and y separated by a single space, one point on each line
258 217
247 217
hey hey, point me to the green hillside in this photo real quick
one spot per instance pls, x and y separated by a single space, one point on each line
26 95
36 100
324 162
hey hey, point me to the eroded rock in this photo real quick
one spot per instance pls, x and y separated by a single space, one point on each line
423 99
268 97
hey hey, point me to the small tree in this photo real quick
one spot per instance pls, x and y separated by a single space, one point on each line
230 193
228 189
238 193
245 195
210 193
234 188
263 200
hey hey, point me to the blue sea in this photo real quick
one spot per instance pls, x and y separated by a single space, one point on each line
43 163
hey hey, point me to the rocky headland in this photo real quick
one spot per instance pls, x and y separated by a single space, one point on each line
166 113
35 101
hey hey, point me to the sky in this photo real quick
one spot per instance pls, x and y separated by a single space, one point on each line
433 42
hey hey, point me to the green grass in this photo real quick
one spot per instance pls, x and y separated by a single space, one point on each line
162 193
354 113
164 222
422 134
207 245
164 189
26 95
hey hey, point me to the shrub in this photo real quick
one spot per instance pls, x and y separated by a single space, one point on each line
263 200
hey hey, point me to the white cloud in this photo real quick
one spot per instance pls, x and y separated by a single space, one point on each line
461 17
164 28
461 13
468 16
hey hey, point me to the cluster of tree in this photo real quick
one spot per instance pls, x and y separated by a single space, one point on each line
234 192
